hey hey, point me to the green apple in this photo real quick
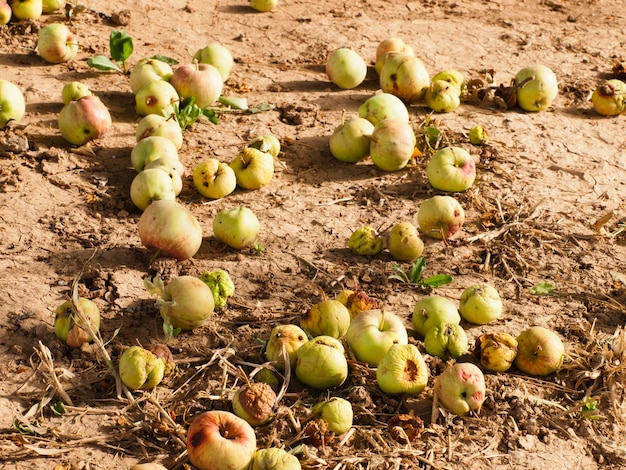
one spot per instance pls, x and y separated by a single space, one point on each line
392 44
156 97
74 91
609 97
402 370
172 167
12 104
27 9
440 217
170 228
404 76
540 351
218 56
187 302
147 71
326 318
350 141
432 311
321 363
214 179
454 77
273 458
478 135
140 368
392 144
442 96
237 227
446 340
461 388
253 168
150 149
202 81
346 68
366 241
373 332
451 169
267 143
538 93
50 6
404 242
84 120
221 284
383 106
263 5
151 185
336 412
56 43
159 125
284 339
68 326
480 304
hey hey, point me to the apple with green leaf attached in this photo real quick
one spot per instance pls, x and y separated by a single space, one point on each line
404 76
12 104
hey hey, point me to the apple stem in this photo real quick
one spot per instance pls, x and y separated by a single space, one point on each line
382 320
324 296
245 377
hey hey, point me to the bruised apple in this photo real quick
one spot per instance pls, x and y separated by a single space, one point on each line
147 71
84 120
434 310
156 97
609 97
168 227
336 412
238 227
404 76
328 317
321 363
392 44
451 169
461 388
157 125
440 217
56 43
255 403
214 179
253 168
220 440
442 96
68 326
392 144
404 242
140 368
284 339
402 370
480 304
366 241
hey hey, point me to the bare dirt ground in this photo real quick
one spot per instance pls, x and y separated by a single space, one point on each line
543 182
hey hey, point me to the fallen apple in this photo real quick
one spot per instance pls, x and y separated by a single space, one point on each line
50 6
151 185
84 120
392 144
12 104
221 285
496 351
68 326
402 370
446 340
326 318
156 97
186 302
404 242
148 466
350 141
56 43
267 143
140 368
218 56
538 93
609 97
220 440
263 5
404 76
287 338
336 412
274 458
161 126
255 403
461 388
150 149
392 44
442 96
253 168
373 332
383 106
27 9
440 217
237 227
366 241
346 68
214 179
172 167
74 91
453 77
170 228
478 135
433 310
147 71
540 351
480 304
5 12
202 81
451 169
321 363
356 301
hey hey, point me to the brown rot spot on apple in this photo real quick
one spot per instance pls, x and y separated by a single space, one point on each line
197 438
151 100
411 371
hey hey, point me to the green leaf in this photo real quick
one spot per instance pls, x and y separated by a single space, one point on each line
401 276
234 102
210 115
167 60
437 280
154 286
543 288
58 408
261 108
417 269
100 62
121 45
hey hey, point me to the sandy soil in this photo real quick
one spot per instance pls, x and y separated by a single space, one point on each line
543 182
